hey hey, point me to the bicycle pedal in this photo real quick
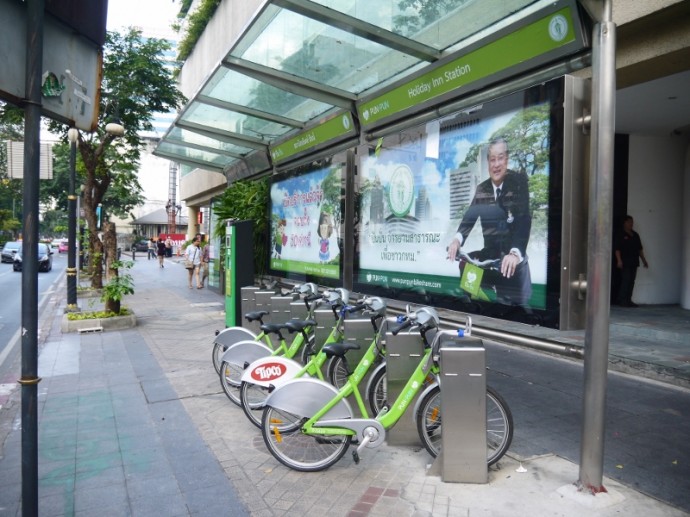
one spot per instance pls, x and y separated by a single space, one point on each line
355 457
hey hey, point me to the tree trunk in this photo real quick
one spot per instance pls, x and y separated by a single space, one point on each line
111 273
96 260
110 248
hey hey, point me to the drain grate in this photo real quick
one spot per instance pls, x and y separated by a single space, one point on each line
89 330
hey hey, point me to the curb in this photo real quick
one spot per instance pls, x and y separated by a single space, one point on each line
98 324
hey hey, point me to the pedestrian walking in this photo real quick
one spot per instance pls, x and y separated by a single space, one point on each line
160 249
192 256
151 244
168 247
205 256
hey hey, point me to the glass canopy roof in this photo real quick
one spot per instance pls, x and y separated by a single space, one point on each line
301 60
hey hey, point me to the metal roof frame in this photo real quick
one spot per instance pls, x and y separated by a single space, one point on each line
307 87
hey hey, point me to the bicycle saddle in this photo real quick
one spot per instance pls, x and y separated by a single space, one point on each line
272 327
338 349
256 315
298 326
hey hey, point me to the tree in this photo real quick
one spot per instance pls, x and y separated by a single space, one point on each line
333 196
419 14
527 134
247 200
11 128
137 83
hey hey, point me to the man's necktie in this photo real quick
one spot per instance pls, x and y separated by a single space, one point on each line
498 193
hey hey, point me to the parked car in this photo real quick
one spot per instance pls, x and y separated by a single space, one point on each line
141 245
62 247
9 250
45 258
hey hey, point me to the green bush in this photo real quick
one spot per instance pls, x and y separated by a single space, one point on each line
91 315
246 200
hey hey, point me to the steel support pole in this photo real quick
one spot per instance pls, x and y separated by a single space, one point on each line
599 253
72 226
29 375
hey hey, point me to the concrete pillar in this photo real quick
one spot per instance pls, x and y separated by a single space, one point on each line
685 235
192 217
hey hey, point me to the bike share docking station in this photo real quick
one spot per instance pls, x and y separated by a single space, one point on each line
463 406
280 308
403 352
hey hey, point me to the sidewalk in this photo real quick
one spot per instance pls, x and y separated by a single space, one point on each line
134 422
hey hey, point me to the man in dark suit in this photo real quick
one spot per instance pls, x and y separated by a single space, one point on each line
501 203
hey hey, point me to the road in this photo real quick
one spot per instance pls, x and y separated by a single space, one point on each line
11 309
647 424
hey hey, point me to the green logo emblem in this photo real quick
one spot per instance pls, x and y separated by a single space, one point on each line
558 27
401 191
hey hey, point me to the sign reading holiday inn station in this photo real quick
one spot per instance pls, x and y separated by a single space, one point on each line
537 39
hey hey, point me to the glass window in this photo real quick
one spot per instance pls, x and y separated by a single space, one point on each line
184 136
233 122
307 48
230 86
438 24
183 152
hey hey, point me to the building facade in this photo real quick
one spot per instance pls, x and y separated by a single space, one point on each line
652 154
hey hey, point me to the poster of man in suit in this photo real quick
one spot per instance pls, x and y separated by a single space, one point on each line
459 207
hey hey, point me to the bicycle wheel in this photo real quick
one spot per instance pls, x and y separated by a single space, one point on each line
337 372
499 424
282 432
252 399
230 378
378 391
216 354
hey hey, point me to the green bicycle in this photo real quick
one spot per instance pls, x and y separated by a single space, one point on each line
227 337
269 373
308 425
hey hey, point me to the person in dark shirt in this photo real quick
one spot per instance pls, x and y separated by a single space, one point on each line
628 250
161 250
501 203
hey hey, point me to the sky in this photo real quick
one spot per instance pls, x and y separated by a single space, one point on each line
154 15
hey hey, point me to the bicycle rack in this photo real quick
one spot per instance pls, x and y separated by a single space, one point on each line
358 331
463 406
403 353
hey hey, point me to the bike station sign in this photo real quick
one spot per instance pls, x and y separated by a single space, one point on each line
72 64
538 42
329 131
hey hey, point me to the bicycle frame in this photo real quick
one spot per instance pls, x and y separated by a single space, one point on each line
248 351
348 389
371 432
283 369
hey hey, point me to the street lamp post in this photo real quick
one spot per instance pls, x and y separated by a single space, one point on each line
72 136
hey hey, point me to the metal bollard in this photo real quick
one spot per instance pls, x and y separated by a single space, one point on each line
463 409
358 331
248 304
403 353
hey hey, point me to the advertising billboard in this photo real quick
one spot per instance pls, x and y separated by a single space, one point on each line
306 214
464 211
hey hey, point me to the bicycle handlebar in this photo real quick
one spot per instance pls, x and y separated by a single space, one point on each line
405 324
355 308
484 264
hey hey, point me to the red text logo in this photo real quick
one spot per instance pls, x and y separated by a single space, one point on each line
268 372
